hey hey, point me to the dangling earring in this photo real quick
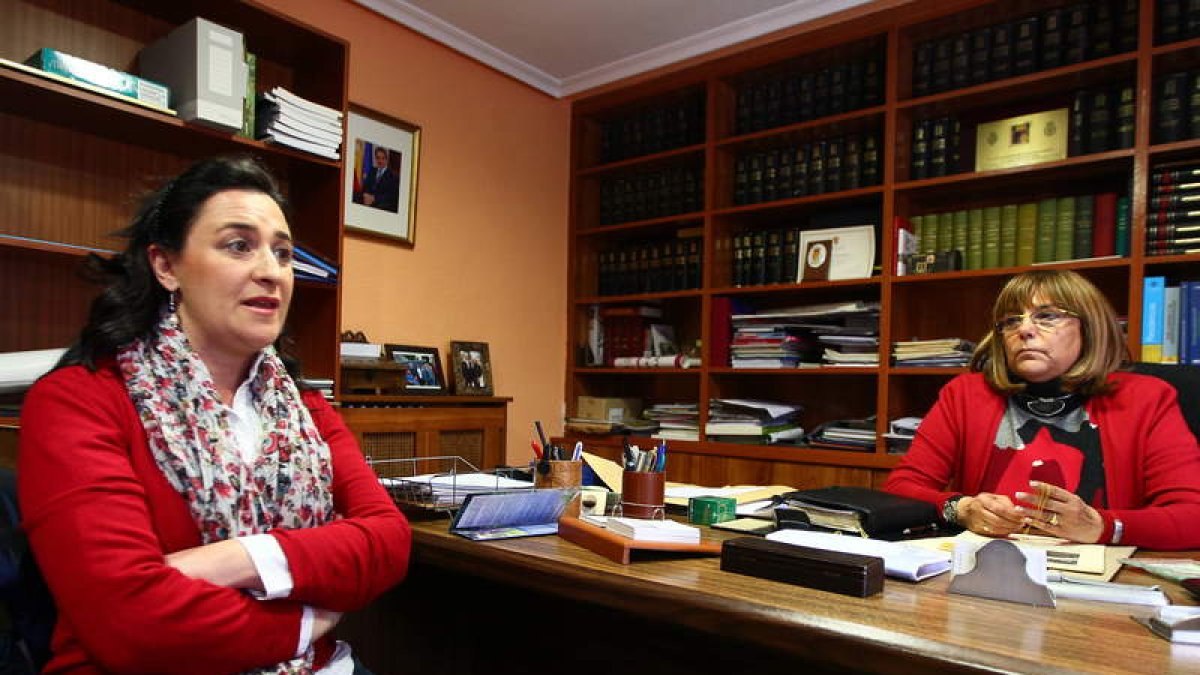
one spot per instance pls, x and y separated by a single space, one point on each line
172 301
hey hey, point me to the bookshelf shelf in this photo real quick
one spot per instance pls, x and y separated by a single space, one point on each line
1005 272
1082 167
1031 86
657 224
825 198
628 299
642 162
853 120
589 370
793 372
928 306
73 163
777 289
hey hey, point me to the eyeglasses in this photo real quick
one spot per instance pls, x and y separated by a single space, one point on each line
1046 319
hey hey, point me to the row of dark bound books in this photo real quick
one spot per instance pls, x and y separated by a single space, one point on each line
651 194
1177 20
1177 108
1056 37
799 96
763 257
651 266
935 148
828 165
1173 209
653 129
1101 119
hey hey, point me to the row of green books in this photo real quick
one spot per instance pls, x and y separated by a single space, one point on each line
1048 230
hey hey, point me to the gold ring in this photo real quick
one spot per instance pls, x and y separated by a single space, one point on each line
1053 520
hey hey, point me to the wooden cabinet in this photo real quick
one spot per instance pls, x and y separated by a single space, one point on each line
939 305
73 164
412 427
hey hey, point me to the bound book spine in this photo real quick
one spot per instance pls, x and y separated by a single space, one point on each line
1027 227
1105 225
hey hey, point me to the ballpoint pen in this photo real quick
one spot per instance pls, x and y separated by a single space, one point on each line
578 453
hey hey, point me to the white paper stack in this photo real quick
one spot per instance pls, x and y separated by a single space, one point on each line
643 529
19 370
287 119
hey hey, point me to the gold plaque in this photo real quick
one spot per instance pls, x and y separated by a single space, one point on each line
1020 141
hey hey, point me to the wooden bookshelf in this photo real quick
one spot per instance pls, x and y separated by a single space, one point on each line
941 305
73 164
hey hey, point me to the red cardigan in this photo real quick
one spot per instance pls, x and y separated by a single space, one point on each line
1151 458
100 516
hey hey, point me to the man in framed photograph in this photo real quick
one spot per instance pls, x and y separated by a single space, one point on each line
381 185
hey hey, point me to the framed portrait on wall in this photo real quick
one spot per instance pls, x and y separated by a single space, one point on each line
472 368
383 155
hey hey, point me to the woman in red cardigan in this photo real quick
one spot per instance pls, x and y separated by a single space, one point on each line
192 510
1046 418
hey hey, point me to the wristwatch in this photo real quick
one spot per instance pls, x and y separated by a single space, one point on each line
950 510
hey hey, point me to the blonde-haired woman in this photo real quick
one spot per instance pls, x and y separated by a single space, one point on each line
1046 418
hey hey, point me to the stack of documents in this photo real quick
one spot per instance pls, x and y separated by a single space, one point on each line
850 350
285 118
947 353
676 421
899 560
441 489
734 420
19 370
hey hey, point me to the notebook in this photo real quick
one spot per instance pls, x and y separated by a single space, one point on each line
485 516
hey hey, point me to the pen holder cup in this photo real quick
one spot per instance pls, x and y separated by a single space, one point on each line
642 494
562 474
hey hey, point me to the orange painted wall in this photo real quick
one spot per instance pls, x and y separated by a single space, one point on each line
489 263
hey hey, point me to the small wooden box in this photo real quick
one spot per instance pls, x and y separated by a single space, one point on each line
372 376
845 573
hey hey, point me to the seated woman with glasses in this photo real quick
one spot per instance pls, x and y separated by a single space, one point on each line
1046 435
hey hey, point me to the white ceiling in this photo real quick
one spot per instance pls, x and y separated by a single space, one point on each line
567 46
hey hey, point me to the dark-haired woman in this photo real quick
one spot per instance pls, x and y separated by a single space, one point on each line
192 510
1047 419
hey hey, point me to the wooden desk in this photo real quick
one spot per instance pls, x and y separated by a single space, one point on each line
457 614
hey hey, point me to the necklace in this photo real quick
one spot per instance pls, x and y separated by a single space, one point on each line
1046 406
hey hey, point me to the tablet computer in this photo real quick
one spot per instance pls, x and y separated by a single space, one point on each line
486 516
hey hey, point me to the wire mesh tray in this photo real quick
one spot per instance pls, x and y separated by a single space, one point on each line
440 483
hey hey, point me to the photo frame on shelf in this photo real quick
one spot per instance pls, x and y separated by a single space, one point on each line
383 156
472 368
836 253
423 368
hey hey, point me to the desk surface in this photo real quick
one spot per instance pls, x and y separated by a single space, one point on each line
907 628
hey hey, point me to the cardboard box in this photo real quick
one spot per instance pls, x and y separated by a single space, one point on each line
1022 140
204 65
608 409
141 90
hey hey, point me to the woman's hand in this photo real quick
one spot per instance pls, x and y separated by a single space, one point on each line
1064 515
990 514
224 563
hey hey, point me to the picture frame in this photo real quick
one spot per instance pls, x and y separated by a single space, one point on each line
472 368
382 160
836 253
423 374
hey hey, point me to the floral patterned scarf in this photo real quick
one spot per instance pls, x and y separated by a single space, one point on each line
191 438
